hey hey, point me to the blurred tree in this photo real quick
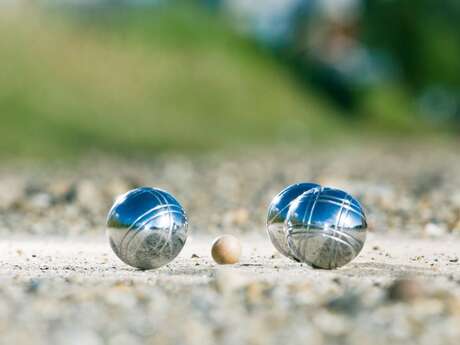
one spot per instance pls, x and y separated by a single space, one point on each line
422 36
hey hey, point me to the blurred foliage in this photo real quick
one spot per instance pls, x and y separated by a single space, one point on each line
394 64
129 81
422 39
422 36
145 80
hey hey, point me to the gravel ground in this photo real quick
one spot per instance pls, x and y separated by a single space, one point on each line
60 283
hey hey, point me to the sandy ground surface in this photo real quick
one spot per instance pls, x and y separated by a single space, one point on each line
400 290
61 284
91 260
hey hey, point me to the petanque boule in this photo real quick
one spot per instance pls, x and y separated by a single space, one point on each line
147 228
326 228
277 212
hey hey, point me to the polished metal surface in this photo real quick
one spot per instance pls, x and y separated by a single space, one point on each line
326 228
147 228
277 212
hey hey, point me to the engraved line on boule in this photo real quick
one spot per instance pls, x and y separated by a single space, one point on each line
312 208
328 201
135 226
144 190
340 228
280 195
184 223
340 219
308 235
170 222
156 208
311 204
354 241
279 212
141 224
158 254
118 200
356 207
163 196
337 224
141 229
135 235
160 239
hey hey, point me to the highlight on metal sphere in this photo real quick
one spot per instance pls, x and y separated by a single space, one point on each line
277 212
147 228
326 228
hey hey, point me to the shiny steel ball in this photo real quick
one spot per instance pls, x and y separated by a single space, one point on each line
277 212
226 250
326 228
147 228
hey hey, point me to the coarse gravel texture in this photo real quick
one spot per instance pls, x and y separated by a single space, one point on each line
61 284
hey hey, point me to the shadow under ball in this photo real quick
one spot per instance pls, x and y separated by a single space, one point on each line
147 228
326 228
277 213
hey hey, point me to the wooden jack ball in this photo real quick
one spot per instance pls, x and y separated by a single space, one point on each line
226 249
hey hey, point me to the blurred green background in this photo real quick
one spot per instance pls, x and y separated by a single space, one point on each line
145 77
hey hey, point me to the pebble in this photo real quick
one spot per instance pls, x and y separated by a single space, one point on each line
62 190
232 191
89 196
11 192
224 304
405 290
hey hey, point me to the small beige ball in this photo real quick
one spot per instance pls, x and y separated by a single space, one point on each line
226 249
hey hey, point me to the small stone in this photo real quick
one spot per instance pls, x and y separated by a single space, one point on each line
337 280
32 286
453 259
257 291
349 303
227 280
239 216
40 201
405 290
11 192
89 197
63 191
194 256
